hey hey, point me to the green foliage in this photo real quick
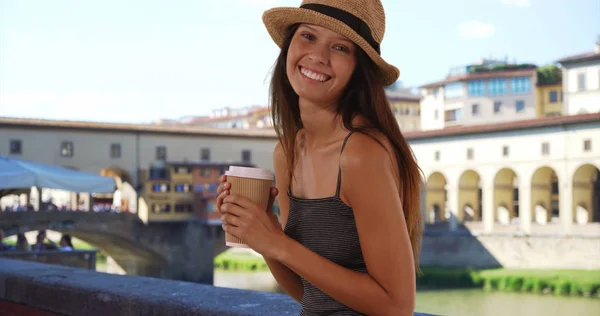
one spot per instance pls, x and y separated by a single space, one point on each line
562 287
527 285
499 67
559 282
538 286
548 75
240 262
515 284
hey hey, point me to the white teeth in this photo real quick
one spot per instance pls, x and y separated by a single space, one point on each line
314 76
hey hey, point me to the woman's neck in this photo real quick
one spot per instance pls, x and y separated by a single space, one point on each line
320 122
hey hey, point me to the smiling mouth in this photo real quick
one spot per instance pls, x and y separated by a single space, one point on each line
314 75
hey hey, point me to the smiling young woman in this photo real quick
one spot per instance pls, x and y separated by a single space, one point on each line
350 230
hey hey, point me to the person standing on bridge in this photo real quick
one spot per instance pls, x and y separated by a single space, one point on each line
348 242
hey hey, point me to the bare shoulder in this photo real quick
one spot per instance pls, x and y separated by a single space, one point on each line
367 149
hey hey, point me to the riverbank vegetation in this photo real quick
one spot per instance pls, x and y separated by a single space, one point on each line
558 282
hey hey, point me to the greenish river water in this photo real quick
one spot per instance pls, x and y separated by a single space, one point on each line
449 302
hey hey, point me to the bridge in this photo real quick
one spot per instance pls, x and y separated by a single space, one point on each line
170 250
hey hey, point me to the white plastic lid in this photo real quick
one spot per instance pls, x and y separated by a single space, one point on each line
245 172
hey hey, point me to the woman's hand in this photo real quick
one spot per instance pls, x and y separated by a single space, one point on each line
222 191
257 227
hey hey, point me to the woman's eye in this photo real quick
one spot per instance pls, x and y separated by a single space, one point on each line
308 36
342 48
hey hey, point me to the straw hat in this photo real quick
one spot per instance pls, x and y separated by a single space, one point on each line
361 21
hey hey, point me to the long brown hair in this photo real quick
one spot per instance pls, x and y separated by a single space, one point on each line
364 96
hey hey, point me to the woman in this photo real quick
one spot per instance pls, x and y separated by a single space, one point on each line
22 243
65 243
350 229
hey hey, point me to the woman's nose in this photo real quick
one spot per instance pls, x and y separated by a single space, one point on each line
319 55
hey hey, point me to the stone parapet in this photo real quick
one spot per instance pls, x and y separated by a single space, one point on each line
41 289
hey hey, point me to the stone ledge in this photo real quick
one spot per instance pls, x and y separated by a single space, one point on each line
70 291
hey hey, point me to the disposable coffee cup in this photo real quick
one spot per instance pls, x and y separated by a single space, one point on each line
252 183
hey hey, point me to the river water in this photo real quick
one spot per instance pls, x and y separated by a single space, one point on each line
449 302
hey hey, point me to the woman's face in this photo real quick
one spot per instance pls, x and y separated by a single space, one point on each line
320 63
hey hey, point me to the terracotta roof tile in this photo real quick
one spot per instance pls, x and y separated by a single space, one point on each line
500 127
269 133
482 75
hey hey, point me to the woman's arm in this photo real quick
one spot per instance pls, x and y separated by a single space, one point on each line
370 185
288 280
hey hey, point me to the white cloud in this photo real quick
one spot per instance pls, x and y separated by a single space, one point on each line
517 3
472 30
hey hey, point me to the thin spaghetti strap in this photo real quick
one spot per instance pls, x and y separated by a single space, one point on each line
339 179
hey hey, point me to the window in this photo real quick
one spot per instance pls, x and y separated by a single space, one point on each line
159 174
453 115
161 153
183 170
66 149
160 187
497 105
505 151
553 96
210 207
183 208
476 88
519 85
587 145
475 109
437 155
205 172
497 87
246 156
436 114
205 154
545 148
470 154
183 188
520 105
15 147
581 82
115 150
453 90
161 208
210 187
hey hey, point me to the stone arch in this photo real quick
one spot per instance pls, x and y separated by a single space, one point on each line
125 195
545 200
586 194
506 195
435 198
111 233
469 196
121 176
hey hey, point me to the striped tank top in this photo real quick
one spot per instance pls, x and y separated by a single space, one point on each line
327 227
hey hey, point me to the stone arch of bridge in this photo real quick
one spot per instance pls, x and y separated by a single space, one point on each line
114 234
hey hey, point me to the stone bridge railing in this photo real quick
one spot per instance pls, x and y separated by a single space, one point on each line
28 288
83 259
171 250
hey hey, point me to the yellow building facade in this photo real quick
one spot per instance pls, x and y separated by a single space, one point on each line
549 100
406 108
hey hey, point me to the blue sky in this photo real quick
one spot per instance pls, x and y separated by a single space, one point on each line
138 61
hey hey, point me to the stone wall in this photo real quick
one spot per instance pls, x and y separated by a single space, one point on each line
170 250
40 289
543 251
83 259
